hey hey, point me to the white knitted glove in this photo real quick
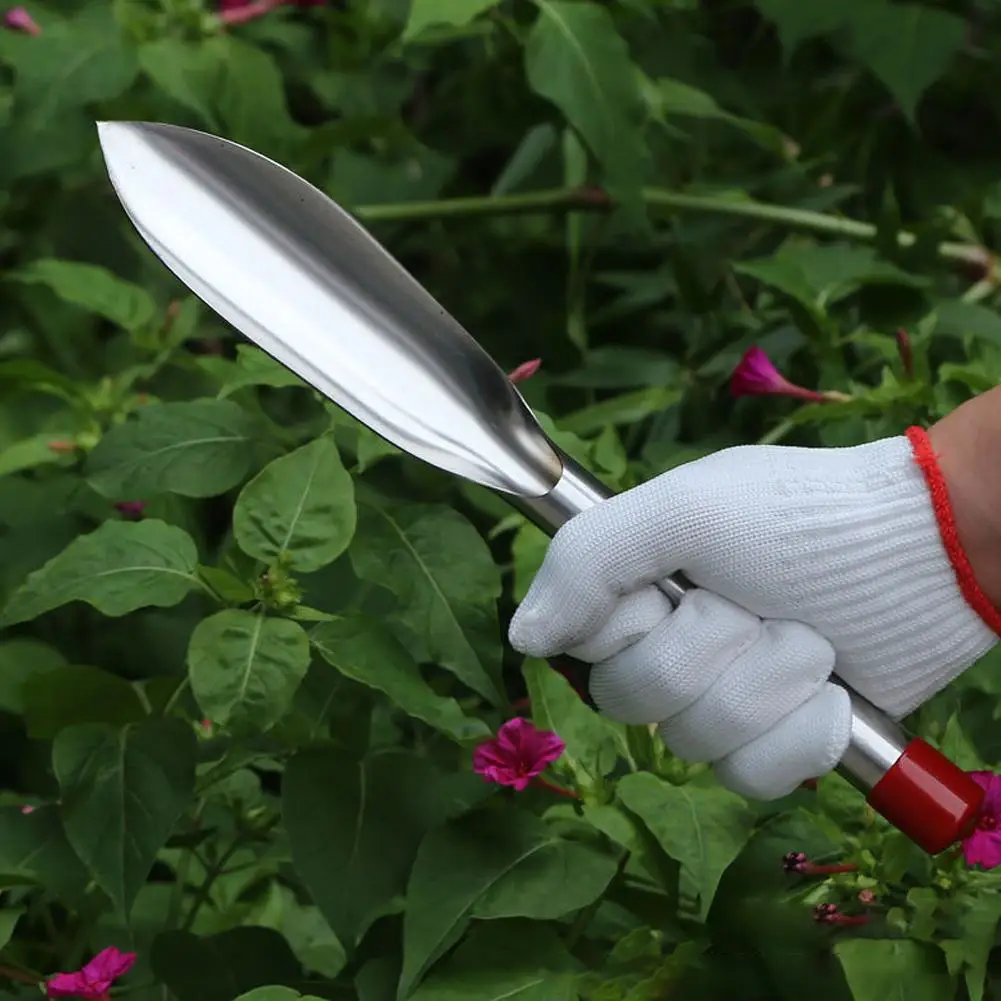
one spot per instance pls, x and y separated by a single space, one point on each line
843 540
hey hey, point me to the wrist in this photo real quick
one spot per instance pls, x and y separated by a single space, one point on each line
964 449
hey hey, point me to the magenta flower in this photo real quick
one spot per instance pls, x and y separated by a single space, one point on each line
240 11
983 846
94 981
18 19
525 370
131 510
518 753
756 375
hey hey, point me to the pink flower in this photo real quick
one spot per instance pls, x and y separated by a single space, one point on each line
866 896
27 808
757 376
983 846
131 510
517 754
525 370
241 11
828 914
94 981
798 862
18 19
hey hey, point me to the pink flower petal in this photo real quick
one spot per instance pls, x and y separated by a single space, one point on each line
65 985
756 375
525 370
108 965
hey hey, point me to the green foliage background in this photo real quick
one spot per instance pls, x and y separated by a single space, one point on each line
636 191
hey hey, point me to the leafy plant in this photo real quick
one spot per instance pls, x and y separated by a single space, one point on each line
250 652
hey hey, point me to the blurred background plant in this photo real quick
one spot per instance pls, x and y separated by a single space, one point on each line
248 765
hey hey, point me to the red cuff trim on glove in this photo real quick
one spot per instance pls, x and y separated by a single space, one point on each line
925 457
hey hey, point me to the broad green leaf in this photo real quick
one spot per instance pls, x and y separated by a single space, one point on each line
978 921
445 582
797 21
93 289
70 66
123 789
359 179
537 143
224 966
196 449
457 13
878 969
117 568
820 276
29 453
703 827
361 649
249 99
186 72
300 508
575 58
34 848
956 318
252 367
594 744
272 992
312 940
245 668
504 961
354 828
70 695
8 922
20 661
907 46
528 549
494 864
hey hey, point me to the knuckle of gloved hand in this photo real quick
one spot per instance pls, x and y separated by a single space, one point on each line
781 670
670 667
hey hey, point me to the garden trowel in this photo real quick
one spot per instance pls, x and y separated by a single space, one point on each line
298 276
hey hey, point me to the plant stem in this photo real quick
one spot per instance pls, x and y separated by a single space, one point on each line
590 199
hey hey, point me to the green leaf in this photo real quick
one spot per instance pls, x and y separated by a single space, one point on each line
575 58
907 46
33 847
878 969
122 792
492 865
249 98
669 98
820 276
224 966
245 668
797 21
445 582
703 827
67 696
504 961
978 920
593 743
956 318
20 661
457 13
528 550
300 508
196 449
354 828
117 568
8 922
186 72
252 367
29 453
93 289
361 649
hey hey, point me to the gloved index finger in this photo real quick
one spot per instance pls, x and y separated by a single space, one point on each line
593 560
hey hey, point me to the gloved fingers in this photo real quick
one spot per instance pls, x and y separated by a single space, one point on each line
632 618
676 662
808 743
615 548
785 666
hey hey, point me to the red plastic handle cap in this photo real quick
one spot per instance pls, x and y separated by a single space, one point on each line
927 797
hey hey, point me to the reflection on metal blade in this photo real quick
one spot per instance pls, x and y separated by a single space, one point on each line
293 272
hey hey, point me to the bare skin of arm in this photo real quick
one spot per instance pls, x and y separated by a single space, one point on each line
968 445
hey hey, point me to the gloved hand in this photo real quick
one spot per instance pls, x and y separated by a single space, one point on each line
812 560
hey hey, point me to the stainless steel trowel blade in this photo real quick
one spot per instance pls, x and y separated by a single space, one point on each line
298 276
